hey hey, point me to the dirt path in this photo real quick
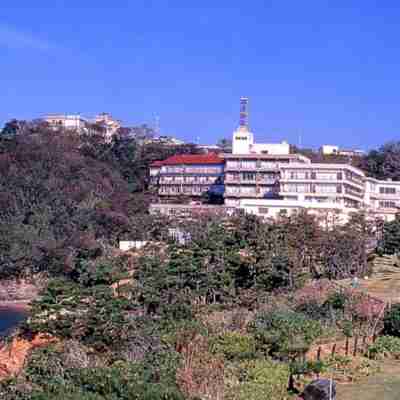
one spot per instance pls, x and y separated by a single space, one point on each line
382 386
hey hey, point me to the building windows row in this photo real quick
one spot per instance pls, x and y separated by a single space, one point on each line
251 177
351 176
248 176
188 179
192 170
387 204
387 190
312 188
314 175
174 190
252 164
313 199
353 191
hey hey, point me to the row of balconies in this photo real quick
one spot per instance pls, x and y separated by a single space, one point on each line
266 167
188 181
250 195
182 170
316 179
256 181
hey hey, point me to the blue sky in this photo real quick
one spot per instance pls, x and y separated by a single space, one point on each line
327 71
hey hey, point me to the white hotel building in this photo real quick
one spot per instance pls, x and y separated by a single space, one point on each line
267 180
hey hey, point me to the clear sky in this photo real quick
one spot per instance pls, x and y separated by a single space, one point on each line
327 71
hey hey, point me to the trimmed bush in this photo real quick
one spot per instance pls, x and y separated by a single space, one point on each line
233 345
385 346
260 379
284 333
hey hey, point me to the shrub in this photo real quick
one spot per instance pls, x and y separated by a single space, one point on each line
259 379
124 381
312 309
233 345
307 367
284 332
391 321
336 301
385 346
347 328
45 367
50 370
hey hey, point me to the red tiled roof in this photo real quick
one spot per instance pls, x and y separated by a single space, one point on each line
210 158
156 164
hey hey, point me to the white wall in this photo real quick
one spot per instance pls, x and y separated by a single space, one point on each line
270 148
329 149
129 245
242 139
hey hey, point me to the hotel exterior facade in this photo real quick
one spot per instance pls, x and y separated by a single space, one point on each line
267 180
188 175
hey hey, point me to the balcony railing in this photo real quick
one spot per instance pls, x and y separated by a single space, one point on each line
265 167
252 181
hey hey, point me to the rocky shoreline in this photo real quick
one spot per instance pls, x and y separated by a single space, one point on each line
17 305
17 294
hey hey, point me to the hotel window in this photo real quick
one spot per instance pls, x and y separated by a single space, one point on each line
263 210
387 204
327 176
248 176
298 175
246 164
326 188
387 190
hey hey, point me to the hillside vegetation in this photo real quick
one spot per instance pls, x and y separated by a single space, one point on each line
230 314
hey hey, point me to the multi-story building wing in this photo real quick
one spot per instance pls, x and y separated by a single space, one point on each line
255 175
103 124
190 175
335 184
382 197
69 122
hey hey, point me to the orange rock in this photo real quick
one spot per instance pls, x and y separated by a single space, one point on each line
13 355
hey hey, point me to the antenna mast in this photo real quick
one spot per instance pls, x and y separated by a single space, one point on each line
244 113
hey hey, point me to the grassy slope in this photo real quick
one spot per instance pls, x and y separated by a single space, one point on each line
385 285
385 385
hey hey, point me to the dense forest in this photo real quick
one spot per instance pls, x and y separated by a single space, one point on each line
227 314
62 194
